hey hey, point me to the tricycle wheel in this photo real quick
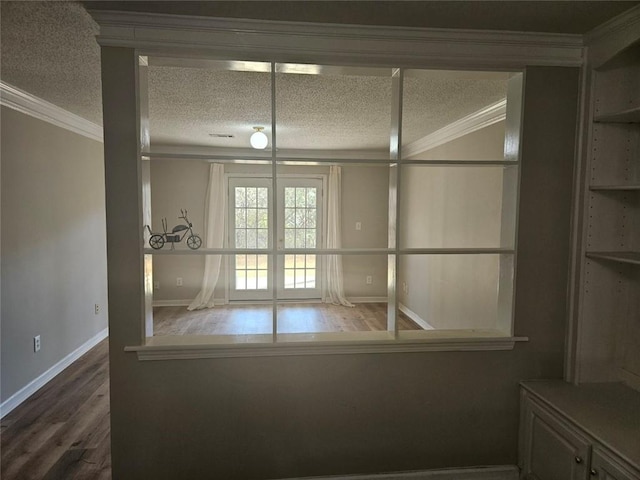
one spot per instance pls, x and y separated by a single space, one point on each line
194 242
156 242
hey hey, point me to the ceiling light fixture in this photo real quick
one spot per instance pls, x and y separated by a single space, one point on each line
258 139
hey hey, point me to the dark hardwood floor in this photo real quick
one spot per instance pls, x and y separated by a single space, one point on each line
62 431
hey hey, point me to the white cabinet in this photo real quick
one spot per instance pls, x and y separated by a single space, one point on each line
570 432
552 450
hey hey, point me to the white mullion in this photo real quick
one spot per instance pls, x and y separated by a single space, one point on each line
395 144
274 210
469 163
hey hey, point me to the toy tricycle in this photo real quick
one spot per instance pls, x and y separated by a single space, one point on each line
157 240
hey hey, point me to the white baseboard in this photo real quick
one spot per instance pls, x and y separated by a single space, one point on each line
505 472
221 301
182 303
32 387
367 299
415 317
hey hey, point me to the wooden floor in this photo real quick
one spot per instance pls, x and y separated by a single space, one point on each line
62 431
292 318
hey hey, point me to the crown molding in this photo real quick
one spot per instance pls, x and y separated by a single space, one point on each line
33 106
608 39
334 44
482 118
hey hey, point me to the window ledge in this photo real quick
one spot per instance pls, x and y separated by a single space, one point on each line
195 347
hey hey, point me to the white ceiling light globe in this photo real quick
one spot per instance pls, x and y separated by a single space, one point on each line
259 140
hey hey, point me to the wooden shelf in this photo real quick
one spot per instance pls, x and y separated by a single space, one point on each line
615 188
631 115
620 257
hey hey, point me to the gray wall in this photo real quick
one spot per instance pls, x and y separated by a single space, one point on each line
53 245
291 416
179 184
453 207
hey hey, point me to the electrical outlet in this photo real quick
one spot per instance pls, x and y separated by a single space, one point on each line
36 343
405 289
97 309
369 279
179 282
358 226
156 285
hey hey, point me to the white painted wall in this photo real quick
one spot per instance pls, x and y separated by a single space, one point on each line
53 246
453 207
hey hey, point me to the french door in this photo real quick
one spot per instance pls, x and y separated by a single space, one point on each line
299 201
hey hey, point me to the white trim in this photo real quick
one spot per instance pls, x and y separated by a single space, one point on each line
32 387
183 303
610 38
368 299
33 106
484 117
506 472
415 317
186 347
301 42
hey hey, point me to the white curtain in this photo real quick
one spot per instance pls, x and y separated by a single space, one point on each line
214 226
335 287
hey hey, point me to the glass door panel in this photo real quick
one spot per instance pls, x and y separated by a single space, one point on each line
300 201
249 228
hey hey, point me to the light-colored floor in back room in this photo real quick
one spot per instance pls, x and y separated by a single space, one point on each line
292 318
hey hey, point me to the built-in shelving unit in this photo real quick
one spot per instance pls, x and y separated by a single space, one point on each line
608 338
630 115
622 257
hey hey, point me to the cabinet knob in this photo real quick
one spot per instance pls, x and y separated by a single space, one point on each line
578 459
593 472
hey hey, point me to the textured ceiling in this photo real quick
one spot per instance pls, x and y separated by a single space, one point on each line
336 112
49 50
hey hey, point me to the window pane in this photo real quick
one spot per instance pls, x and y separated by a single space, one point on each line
458 206
262 279
289 238
301 197
241 218
311 197
252 197
289 197
263 218
263 261
252 218
263 197
311 218
300 238
289 217
240 197
263 238
450 292
289 278
310 238
252 239
241 262
434 99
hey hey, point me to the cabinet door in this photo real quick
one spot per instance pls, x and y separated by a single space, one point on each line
606 467
553 450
